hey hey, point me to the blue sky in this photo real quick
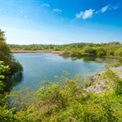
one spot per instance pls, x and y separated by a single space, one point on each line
61 21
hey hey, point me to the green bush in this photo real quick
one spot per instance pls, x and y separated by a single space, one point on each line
118 52
70 103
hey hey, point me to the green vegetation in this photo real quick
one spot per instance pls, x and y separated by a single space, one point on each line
3 69
5 113
8 67
113 49
6 56
66 102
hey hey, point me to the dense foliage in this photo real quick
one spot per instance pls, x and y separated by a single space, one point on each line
78 49
8 67
66 102
5 113
6 56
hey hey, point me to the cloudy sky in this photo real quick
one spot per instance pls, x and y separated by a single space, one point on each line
61 21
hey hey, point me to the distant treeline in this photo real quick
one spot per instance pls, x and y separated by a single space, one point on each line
77 49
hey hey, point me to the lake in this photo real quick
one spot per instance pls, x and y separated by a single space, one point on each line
38 67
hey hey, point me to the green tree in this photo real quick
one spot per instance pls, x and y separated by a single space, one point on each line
6 56
100 52
118 52
3 69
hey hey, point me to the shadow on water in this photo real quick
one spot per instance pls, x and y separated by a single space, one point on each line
106 60
14 80
85 58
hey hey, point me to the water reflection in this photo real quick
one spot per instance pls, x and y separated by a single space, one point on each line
38 67
14 80
106 60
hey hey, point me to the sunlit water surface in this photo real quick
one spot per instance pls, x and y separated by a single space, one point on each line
39 67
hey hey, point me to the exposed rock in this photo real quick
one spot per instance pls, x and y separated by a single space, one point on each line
100 83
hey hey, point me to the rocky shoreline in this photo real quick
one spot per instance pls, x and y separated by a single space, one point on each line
117 70
100 82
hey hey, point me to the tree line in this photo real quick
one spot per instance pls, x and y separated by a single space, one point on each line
77 49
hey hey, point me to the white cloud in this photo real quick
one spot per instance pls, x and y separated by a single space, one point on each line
45 5
79 15
85 14
57 10
105 8
90 12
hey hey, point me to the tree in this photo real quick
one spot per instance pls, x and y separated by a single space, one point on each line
118 52
100 52
6 56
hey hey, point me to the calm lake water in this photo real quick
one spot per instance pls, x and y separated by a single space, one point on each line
38 67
